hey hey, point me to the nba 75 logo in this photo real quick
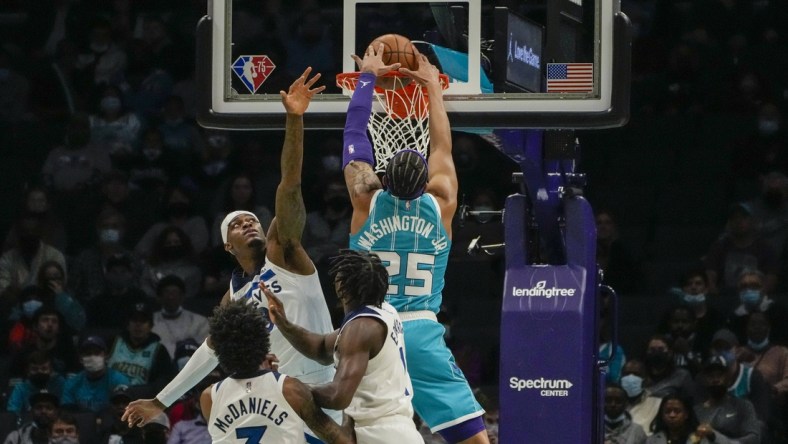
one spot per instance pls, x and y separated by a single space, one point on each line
253 70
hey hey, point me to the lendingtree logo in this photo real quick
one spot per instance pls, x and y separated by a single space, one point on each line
541 290
546 387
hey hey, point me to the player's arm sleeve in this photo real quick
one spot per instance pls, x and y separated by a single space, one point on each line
356 144
197 367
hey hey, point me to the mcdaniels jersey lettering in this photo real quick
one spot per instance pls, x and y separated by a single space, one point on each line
409 238
385 390
304 304
253 410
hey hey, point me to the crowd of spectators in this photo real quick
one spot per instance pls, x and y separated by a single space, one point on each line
111 256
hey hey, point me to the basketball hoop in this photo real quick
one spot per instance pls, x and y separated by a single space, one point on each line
404 122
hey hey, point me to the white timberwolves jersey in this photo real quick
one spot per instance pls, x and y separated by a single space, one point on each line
385 390
304 304
253 410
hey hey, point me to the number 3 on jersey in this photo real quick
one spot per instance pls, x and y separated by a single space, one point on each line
418 270
253 435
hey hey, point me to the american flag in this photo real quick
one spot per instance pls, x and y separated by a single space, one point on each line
570 77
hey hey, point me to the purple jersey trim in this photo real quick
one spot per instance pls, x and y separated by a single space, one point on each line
464 430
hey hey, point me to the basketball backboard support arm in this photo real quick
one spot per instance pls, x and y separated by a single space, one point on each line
554 111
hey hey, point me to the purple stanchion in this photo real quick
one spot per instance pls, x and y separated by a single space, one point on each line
550 380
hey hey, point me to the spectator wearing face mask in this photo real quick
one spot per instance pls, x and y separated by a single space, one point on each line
619 428
89 272
695 295
663 376
36 429
173 323
114 129
90 389
724 418
753 298
769 359
64 430
642 407
739 249
39 376
743 380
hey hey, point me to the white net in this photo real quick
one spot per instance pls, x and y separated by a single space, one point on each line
404 121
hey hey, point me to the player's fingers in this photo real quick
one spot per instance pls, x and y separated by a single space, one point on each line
379 51
313 80
357 59
305 75
370 51
393 66
317 90
283 94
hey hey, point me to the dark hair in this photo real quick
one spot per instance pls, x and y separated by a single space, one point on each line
406 174
695 272
41 278
170 281
46 309
239 334
158 254
362 277
658 424
229 205
66 418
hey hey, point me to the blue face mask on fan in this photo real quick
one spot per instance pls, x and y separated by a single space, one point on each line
694 299
750 297
632 384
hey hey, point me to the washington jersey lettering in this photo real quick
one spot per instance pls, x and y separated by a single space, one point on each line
409 238
385 390
304 304
253 410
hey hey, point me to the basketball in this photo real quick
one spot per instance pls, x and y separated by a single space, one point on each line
397 49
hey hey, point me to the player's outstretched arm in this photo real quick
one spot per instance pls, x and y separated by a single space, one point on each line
442 175
312 345
202 362
300 399
361 340
358 159
290 211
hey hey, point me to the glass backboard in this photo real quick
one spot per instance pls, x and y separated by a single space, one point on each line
512 64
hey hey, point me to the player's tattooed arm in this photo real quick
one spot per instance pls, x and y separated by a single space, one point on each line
290 211
300 398
362 179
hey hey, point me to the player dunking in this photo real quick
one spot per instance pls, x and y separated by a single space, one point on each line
409 226
278 259
254 402
371 384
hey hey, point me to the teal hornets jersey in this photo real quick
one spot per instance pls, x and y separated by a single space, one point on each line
409 238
